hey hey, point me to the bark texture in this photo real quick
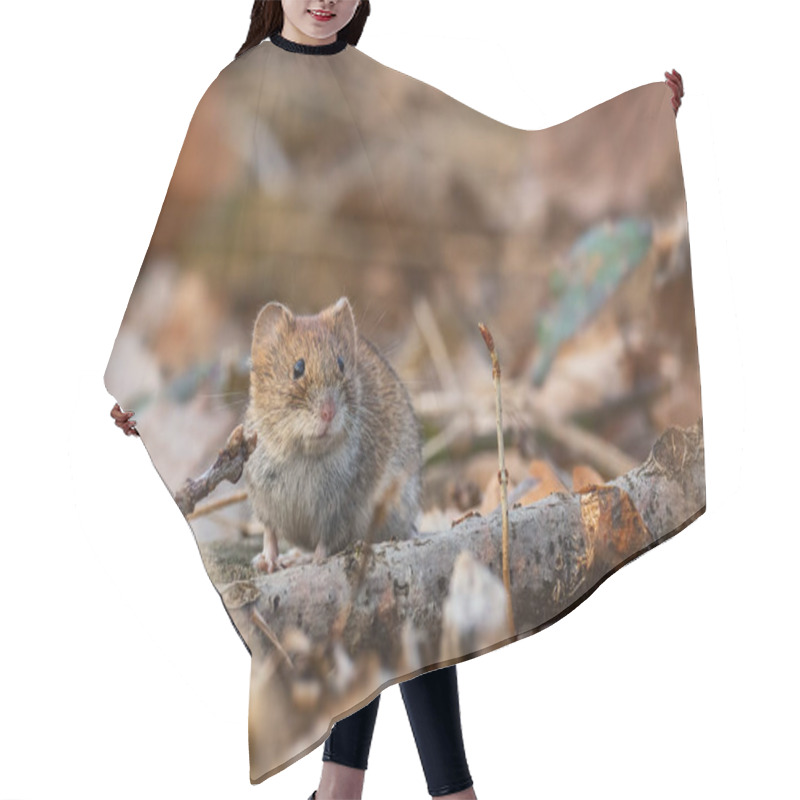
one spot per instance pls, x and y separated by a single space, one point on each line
561 547
327 639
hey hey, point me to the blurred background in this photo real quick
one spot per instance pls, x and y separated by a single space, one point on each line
570 244
119 666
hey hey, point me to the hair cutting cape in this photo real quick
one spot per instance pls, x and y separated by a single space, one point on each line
304 178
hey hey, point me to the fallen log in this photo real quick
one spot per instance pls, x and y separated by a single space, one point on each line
561 547
438 598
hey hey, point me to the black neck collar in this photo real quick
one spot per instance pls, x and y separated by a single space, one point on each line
310 49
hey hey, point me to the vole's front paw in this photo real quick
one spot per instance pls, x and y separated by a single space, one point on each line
264 562
267 559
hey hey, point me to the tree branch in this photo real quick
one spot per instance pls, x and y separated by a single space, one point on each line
228 466
561 547
435 599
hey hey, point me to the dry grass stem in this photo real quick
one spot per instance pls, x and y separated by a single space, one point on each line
502 474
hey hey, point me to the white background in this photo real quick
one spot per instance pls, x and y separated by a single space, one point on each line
121 674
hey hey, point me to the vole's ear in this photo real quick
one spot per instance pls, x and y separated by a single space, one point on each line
272 321
342 320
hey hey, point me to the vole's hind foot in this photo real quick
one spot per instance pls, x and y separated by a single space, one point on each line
263 562
294 557
291 558
267 559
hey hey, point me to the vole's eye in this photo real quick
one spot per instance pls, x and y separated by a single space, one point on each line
340 362
299 368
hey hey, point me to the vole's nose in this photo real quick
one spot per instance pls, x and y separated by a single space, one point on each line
327 409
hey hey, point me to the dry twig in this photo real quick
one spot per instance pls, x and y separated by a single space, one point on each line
435 341
215 505
502 475
228 466
565 545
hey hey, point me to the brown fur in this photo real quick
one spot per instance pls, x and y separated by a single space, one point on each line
360 481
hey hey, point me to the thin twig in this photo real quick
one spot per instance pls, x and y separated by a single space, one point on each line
502 474
443 439
471 513
215 505
435 341
228 466
264 627
584 445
